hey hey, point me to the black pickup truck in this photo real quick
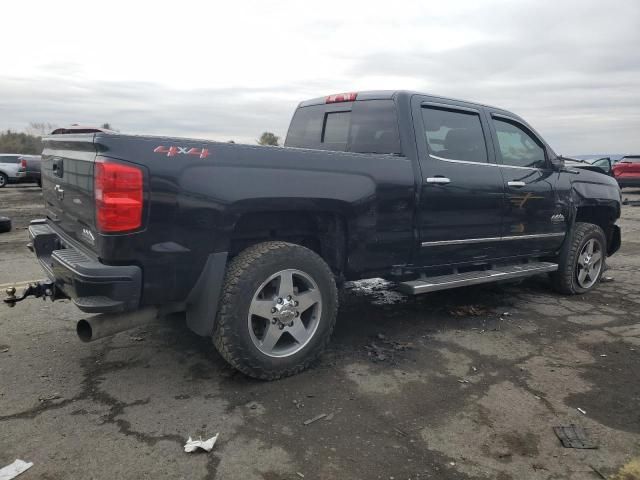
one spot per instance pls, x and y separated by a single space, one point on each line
249 242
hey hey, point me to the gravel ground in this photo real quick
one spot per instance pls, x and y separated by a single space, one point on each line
465 384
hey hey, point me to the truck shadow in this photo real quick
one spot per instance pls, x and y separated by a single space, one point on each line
373 309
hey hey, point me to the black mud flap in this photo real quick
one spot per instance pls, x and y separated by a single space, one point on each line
615 241
202 303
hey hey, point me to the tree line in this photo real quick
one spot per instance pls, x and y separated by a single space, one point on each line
20 142
29 142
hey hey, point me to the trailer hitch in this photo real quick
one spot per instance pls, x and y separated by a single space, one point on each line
42 288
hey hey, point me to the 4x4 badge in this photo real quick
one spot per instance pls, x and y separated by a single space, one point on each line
172 151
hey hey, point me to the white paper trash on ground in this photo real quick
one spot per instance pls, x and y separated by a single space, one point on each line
193 445
15 469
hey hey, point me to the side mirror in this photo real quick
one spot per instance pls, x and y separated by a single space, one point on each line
557 163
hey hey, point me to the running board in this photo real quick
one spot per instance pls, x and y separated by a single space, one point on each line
443 282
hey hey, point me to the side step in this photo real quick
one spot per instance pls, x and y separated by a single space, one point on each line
443 282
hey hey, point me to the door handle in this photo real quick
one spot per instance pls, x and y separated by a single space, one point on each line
516 184
438 180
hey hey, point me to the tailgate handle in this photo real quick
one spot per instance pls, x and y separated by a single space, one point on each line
59 192
58 169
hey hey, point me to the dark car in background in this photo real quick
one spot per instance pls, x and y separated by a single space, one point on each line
31 165
627 171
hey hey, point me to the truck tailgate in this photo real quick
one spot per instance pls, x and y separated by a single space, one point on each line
67 185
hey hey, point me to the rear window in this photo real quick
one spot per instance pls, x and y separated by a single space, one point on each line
631 159
368 126
336 128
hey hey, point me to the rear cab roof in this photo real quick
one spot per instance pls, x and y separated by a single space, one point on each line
405 96
396 94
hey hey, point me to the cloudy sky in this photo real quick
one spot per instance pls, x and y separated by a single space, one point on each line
232 69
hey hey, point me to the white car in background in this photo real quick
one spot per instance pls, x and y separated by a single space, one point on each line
11 169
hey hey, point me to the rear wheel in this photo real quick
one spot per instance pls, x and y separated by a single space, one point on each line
277 310
581 262
3 180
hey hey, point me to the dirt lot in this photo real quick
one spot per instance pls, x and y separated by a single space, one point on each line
413 388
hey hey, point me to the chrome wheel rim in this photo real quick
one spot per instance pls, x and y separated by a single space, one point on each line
2 181
589 263
284 313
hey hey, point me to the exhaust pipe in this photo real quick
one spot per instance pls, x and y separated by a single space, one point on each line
107 324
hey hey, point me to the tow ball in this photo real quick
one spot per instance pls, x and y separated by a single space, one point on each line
40 289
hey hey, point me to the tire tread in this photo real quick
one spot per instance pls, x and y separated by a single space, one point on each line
562 280
226 339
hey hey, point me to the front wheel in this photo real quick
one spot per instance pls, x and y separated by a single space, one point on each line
277 310
581 261
3 180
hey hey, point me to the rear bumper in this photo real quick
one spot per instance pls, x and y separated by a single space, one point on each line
91 285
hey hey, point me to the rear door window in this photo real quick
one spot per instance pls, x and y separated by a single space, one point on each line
367 126
454 134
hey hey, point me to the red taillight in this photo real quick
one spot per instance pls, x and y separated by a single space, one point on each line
341 97
23 163
119 197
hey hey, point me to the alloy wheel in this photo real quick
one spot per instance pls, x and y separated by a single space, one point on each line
284 313
589 263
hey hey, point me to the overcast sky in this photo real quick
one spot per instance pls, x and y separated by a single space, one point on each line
232 69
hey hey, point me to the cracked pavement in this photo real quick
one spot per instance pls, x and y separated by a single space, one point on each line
411 388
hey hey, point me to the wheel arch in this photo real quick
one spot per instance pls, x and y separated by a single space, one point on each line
323 230
605 217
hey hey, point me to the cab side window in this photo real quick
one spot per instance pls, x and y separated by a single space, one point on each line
454 134
518 147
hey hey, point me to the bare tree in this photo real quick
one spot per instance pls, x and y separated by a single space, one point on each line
40 129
